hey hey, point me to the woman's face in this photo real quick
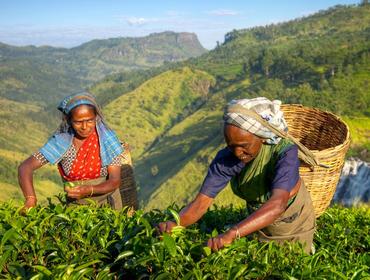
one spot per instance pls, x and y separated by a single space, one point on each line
83 120
243 144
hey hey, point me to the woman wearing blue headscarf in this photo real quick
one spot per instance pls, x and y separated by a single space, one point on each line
87 152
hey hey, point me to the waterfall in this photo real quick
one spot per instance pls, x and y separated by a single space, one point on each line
354 183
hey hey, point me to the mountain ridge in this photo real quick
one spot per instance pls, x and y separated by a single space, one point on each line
171 150
45 74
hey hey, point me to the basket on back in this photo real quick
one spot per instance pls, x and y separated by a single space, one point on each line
327 136
128 186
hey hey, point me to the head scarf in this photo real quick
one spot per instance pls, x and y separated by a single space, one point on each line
268 110
61 140
72 101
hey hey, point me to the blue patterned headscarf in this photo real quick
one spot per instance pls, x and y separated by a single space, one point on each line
72 101
60 141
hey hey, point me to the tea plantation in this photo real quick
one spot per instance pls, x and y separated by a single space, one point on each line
55 242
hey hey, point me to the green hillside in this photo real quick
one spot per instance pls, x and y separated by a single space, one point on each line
45 74
37 77
171 115
360 136
164 101
99 56
23 132
181 157
142 116
329 70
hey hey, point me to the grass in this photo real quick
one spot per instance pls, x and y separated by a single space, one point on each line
359 128
143 115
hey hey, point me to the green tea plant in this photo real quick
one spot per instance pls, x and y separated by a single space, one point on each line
87 242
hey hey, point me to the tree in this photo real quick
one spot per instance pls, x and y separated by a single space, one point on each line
267 61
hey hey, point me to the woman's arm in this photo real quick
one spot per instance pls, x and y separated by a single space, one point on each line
223 167
112 183
264 216
25 179
190 214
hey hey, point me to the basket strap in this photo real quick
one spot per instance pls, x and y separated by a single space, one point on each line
304 153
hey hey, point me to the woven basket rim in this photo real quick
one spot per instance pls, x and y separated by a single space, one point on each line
341 146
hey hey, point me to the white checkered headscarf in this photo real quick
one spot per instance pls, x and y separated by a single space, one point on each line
268 110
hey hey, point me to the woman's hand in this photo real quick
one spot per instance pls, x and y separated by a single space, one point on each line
190 214
30 202
216 243
166 226
79 192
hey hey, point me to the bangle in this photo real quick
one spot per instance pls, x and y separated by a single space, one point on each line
237 233
30 196
92 191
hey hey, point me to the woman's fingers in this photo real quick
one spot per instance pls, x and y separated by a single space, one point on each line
166 226
211 244
30 202
77 192
161 227
215 243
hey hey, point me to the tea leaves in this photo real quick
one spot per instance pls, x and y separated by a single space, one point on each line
87 242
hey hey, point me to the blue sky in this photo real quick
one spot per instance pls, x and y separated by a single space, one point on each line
68 23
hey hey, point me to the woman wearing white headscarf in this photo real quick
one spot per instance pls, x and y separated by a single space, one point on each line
262 167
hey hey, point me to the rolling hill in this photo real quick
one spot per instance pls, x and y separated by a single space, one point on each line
33 79
328 69
23 132
44 74
171 115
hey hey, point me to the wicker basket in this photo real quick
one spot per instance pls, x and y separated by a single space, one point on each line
327 136
128 185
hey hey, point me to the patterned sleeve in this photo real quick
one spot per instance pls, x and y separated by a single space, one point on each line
122 158
117 161
40 157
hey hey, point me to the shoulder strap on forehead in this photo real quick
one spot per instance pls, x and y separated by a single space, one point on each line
90 98
304 153
79 97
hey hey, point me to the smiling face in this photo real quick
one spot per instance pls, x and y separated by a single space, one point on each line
243 144
82 119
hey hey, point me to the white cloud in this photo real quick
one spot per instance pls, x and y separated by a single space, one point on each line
223 12
137 21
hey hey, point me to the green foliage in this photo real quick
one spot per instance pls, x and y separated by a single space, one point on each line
359 128
86 242
143 115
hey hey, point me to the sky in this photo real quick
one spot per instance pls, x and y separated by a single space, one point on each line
69 23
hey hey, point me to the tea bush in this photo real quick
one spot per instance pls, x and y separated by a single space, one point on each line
86 242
